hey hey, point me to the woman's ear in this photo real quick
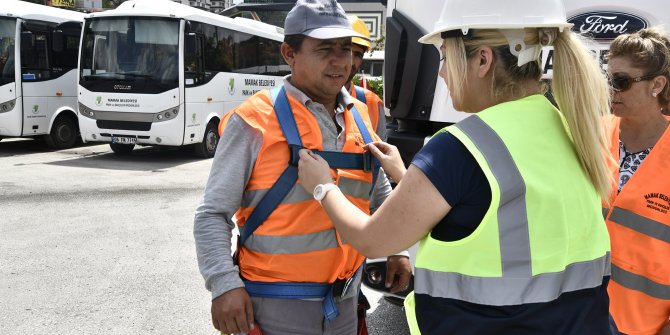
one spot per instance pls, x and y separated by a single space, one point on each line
485 59
659 84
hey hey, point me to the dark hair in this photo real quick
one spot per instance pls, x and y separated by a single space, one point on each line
294 41
649 50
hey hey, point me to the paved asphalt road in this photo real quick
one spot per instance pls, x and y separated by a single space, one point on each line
94 243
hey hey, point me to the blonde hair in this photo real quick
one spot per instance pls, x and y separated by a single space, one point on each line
579 88
648 50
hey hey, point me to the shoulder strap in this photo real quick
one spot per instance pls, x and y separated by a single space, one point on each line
367 139
360 94
287 179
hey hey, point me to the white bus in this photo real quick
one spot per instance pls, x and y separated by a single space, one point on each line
38 61
158 73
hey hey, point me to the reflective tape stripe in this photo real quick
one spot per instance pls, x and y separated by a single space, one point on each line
353 187
605 212
640 283
641 224
512 290
512 215
292 244
297 194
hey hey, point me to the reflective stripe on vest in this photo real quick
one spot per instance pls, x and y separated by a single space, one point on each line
355 188
516 284
640 224
640 283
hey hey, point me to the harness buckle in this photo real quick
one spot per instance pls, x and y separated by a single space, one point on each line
367 161
294 154
342 286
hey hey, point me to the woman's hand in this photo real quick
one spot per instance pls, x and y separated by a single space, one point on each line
389 156
313 170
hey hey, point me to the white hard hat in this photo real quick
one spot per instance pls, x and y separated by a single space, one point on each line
497 14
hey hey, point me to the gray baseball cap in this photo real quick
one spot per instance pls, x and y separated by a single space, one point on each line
322 19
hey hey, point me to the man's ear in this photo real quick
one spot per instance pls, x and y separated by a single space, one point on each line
486 59
288 53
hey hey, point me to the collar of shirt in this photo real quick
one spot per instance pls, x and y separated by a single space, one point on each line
343 99
331 137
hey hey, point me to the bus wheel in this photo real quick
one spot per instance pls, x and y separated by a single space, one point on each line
63 133
122 149
207 148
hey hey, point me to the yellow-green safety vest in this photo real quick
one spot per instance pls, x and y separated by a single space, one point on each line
543 234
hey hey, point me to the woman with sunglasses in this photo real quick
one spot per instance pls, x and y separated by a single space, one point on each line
638 214
506 203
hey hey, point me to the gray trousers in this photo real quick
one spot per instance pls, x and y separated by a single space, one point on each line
304 317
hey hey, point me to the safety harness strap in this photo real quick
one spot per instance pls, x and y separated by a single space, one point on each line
335 159
327 292
360 94
280 189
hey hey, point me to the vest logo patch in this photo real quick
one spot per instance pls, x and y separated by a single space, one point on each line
658 202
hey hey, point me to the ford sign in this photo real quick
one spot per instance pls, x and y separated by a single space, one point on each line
606 25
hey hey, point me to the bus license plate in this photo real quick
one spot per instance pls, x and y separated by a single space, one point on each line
124 140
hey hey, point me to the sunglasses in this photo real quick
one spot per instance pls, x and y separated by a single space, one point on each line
622 82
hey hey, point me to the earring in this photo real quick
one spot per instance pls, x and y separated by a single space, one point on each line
654 94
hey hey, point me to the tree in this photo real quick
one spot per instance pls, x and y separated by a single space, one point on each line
111 3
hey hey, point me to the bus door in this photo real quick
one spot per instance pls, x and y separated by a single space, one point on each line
9 118
34 75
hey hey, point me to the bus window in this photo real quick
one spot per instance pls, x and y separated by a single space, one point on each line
7 42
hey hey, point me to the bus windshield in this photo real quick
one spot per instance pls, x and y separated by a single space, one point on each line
7 37
130 54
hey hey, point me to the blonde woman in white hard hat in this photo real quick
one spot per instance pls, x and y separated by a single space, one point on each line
506 203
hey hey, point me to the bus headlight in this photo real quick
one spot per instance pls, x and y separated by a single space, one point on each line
7 106
167 114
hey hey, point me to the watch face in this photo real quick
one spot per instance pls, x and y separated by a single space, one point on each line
318 192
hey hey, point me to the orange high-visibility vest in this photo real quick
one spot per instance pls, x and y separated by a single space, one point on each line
373 102
638 220
297 242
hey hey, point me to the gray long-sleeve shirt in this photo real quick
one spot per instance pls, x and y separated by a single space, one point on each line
231 169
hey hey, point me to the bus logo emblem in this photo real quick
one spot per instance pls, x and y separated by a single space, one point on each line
36 109
98 100
231 86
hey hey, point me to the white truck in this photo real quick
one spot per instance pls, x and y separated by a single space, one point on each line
418 100
38 67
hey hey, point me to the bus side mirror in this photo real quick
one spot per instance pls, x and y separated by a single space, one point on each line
57 41
191 45
27 41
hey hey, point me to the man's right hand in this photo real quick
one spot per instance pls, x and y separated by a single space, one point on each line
232 312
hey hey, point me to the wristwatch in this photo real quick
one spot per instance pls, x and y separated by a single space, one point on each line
321 190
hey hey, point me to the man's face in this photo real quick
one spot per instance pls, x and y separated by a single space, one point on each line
321 67
357 52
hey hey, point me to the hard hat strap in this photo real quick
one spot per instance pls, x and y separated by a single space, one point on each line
518 47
